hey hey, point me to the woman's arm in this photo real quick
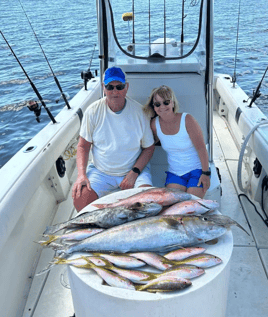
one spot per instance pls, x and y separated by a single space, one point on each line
196 135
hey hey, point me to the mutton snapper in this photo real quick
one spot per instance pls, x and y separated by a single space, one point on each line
156 234
163 196
108 217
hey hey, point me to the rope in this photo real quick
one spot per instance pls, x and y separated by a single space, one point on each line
70 152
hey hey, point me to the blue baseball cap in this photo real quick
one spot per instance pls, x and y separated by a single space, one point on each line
114 73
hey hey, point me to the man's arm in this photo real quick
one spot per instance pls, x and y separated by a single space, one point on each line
83 149
145 156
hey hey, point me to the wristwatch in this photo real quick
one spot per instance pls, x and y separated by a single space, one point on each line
136 170
207 173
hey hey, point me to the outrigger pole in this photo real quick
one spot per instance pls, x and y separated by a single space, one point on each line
55 78
33 86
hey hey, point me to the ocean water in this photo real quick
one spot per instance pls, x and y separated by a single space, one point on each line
67 31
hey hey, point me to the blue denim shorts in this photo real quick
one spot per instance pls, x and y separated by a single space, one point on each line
190 179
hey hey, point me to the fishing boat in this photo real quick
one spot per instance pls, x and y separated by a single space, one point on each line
36 183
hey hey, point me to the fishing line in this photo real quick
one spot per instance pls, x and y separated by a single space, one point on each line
55 78
262 218
237 33
32 84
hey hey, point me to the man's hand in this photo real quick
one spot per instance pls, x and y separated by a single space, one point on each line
129 180
80 182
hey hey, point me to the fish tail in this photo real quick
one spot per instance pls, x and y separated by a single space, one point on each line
140 287
46 269
52 229
89 262
59 260
51 238
61 249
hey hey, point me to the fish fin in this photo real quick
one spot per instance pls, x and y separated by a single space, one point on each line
172 223
203 205
136 206
100 206
208 212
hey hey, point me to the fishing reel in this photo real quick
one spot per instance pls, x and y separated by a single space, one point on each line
36 108
86 76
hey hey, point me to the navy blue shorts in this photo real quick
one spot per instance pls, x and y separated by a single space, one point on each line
190 179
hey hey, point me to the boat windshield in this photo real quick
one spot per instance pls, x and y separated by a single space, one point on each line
142 29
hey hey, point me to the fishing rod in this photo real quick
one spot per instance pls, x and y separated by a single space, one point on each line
87 75
33 106
54 76
257 93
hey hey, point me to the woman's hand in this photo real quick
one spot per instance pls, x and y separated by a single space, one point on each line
205 180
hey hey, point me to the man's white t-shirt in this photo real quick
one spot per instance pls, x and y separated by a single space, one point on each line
117 139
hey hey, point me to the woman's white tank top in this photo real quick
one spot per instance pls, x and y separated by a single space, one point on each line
181 154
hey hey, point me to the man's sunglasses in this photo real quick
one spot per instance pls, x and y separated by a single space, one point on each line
158 104
118 87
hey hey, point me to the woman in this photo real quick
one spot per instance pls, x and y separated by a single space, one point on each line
181 137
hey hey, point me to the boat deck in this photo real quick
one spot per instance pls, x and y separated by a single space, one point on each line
50 294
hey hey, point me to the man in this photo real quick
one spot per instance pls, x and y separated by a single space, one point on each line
119 134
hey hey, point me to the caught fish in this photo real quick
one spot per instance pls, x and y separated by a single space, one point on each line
163 196
76 235
114 279
202 260
165 284
122 260
81 262
153 234
108 217
109 277
155 260
181 254
135 276
184 271
191 207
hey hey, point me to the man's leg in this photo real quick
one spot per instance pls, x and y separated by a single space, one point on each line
101 184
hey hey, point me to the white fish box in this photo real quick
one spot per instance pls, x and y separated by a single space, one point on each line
207 296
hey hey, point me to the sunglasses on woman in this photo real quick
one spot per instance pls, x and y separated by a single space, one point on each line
158 104
118 87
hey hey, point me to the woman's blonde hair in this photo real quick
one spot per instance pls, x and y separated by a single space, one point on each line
164 92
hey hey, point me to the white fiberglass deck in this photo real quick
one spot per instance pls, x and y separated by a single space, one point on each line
248 283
